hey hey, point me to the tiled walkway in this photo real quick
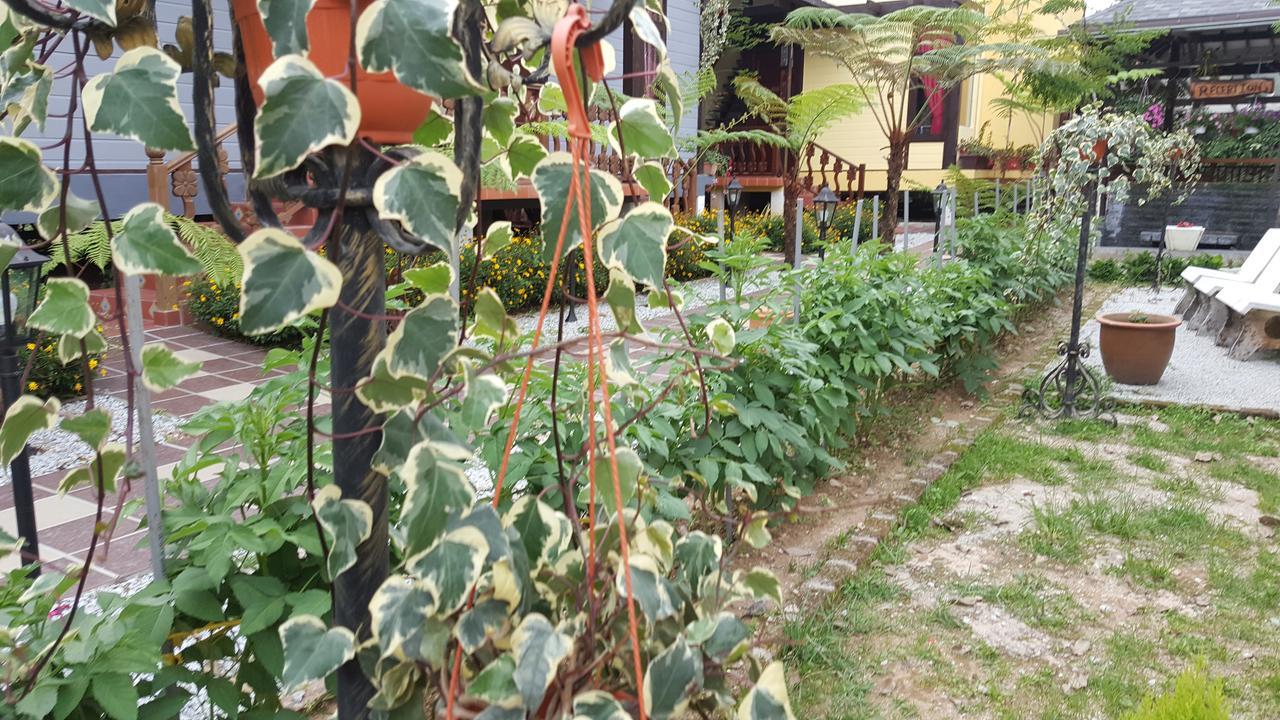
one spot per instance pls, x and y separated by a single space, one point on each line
229 371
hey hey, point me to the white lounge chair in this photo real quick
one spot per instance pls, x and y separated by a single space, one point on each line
1214 315
1253 321
1206 282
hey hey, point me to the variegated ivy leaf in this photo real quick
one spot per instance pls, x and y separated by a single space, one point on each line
523 154
10 244
104 10
399 612
757 532
435 489
721 335
618 362
91 426
346 524
24 417
146 244
497 237
312 651
25 183
414 39
423 195
484 395
636 243
500 119
722 637
282 281
80 213
629 467
25 95
640 130
760 584
598 705
672 678
478 625
404 430
621 297
423 339
492 320
649 588
768 700
431 280
105 466
64 310
286 23
451 566
162 370
539 649
551 100
302 112
71 347
496 683
666 87
645 28
382 392
699 555
544 532
551 180
139 100
653 178
657 542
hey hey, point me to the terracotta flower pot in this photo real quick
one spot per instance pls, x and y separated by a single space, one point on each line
389 111
1100 147
1136 353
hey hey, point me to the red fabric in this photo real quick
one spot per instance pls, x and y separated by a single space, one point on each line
933 97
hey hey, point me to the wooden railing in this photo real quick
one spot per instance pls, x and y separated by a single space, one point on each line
817 167
179 178
1241 170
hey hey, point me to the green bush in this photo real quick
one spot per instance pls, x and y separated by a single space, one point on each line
1195 696
1139 268
217 308
1106 270
49 377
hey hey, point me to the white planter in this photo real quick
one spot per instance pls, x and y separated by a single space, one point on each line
1184 239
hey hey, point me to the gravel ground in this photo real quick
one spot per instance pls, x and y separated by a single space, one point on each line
1200 373
55 449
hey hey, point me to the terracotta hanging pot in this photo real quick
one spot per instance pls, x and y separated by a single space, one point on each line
389 111
1100 147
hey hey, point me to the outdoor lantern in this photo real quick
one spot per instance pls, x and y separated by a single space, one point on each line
938 194
733 194
21 287
825 206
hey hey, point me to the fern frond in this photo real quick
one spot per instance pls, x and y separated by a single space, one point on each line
216 254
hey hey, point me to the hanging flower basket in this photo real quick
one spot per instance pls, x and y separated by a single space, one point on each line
389 111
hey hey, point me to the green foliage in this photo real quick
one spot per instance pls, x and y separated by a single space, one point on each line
1195 696
217 256
1139 268
217 308
49 376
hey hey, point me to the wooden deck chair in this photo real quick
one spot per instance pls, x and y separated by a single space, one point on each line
1204 283
1253 319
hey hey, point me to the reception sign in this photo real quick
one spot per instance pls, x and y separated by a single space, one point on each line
1229 89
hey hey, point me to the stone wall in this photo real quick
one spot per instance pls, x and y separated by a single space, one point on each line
1235 216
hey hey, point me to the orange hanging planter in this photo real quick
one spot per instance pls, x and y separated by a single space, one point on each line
389 110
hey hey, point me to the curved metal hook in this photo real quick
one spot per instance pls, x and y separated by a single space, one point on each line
39 15
246 112
202 99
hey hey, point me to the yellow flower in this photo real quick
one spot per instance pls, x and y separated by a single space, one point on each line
186 283
103 372
76 387
33 385
31 346
93 363
203 298
219 321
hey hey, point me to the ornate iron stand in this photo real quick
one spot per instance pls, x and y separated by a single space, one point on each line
1071 389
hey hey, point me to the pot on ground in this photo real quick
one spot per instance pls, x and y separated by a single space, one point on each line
1136 347
1184 239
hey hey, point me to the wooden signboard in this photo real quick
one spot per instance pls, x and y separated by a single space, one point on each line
1229 89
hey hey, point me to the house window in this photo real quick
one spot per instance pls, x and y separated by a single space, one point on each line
930 117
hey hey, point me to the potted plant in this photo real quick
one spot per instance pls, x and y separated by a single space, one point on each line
1136 346
1183 237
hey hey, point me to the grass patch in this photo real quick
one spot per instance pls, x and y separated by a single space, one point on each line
1244 474
1257 588
1031 599
1145 573
1149 461
1193 430
1055 533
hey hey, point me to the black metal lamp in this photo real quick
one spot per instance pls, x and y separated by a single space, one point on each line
938 194
824 206
733 195
19 291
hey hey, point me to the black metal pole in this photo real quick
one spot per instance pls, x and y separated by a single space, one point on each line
733 231
822 242
19 469
356 338
571 289
937 224
1077 306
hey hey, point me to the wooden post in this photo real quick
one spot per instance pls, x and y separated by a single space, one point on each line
166 305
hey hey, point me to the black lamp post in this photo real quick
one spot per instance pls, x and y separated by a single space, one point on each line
938 194
824 206
19 290
732 198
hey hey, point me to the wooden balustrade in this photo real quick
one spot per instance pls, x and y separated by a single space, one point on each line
1241 170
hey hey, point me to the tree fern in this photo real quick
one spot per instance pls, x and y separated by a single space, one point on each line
217 255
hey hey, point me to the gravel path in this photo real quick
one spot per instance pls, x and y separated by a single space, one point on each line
1200 373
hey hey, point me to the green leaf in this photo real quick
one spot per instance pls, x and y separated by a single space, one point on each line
92 426
414 39
65 308
484 395
721 335
111 456
539 648
302 112
9 246
636 244
482 622
523 155
497 237
648 588
721 636
491 318
24 417
434 489
642 130
551 179
672 677
431 280
286 24
139 100
399 612
346 524
69 346
104 10
147 244
598 705
496 682
653 179
382 392
309 602
433 131
423 339
116 695
628 478
621 297
768 700
311 650
162 370
26 95
39 702
500 119
282 281
422 195
262 598
80 214
451 566
757 532
26 185
761 584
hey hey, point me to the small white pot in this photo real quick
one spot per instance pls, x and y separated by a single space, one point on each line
1184 239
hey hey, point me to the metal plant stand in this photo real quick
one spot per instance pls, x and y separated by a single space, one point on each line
1072 389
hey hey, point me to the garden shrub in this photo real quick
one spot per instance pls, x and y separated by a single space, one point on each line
217 308
49 376
1139 268
1195 696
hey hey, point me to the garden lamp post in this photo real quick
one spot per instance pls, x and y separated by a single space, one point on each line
824 206
938 194
19 289
732 198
